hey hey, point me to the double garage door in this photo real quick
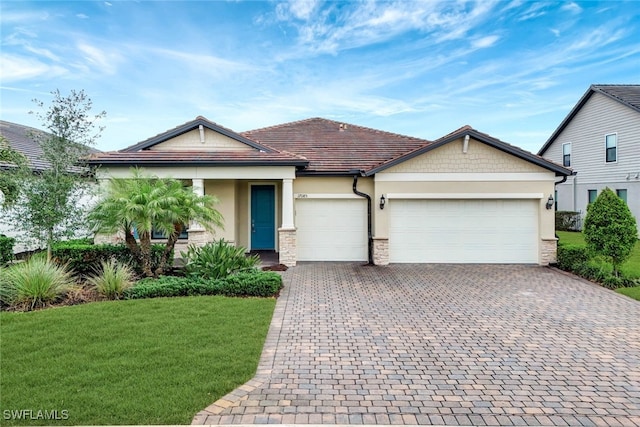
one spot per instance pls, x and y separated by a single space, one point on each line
421 231
463 231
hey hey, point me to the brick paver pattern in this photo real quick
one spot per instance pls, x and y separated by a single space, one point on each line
444 345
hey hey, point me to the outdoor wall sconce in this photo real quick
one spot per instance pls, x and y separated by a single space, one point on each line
550 201
382 201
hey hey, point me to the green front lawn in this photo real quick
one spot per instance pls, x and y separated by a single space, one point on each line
630 292
152 361
631 267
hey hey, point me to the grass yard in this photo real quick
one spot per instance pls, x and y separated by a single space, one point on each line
631 267
152 361
630 292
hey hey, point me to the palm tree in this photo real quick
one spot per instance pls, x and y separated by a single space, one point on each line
146 203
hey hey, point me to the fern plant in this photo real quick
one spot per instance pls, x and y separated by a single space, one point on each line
217 260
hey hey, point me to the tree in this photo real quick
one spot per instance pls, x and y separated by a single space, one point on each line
13 169
610 229
49 206
146 203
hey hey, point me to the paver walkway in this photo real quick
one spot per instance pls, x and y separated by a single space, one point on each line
444 345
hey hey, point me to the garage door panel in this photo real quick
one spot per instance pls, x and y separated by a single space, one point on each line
463 231
331 229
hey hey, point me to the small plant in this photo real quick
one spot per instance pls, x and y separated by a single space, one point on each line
217 260
112 279
35 283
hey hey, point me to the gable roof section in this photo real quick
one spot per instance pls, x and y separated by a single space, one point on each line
189 126
481 137
335 148
627 95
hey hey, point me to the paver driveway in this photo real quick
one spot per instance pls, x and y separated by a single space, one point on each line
443 344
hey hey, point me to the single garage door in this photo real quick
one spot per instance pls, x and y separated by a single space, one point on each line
331 229
463 231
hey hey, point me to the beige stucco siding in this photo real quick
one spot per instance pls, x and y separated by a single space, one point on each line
225 192
479 158
331 185
213 141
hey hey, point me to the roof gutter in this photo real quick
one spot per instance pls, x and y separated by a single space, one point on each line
357 173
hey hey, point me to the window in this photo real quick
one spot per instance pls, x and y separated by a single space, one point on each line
622 194
593 195
566 154
611 148
157 234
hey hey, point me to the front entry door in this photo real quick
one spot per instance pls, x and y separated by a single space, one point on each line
263 217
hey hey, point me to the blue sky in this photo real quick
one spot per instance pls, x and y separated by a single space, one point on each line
512 69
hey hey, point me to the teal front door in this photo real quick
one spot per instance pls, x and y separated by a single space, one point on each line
263 217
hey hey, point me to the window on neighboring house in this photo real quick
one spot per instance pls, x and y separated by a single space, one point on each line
611 148
593 195
566 154
622 194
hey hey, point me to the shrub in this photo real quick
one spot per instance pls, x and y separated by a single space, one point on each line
572 257
567 221
84 259
36 283
217 260
254 284
113 279
610 229
6 249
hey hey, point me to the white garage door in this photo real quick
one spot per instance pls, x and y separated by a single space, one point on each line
463 231
331 229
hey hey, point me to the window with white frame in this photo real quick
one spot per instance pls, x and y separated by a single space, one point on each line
566 154
611 148
622 193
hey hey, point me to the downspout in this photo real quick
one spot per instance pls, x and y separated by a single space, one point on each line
563 180
366 196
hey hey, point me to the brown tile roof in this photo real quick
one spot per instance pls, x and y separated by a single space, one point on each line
335 147
184 158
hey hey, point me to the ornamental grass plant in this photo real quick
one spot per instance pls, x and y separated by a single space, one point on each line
112 279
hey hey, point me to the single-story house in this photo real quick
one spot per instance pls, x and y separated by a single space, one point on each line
321 190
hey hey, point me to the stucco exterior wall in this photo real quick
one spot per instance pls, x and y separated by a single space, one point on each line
213 141
331 185
225 192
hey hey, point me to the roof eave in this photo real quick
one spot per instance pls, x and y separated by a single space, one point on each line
218 163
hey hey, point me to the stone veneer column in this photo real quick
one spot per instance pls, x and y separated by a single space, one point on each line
549 251
381 251
287 249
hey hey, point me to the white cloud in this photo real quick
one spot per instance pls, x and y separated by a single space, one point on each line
15 68
484 42
81 16
534 11
106 62
571 7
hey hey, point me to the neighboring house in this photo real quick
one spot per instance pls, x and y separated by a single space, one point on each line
600 141
303 189
21 139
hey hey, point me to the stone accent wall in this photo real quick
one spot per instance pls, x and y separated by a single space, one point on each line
479 158
287 246
549 251
380 251
199 237
112 239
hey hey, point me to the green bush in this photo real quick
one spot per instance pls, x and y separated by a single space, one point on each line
113 279
567 220
610 229
35 283
572 257
84 259
255 284
6 249
217 260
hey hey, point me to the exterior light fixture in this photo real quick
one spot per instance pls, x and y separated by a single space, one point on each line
382 201
550 201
